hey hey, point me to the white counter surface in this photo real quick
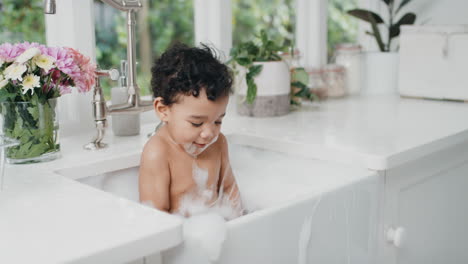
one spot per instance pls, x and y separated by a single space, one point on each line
48 218
378 132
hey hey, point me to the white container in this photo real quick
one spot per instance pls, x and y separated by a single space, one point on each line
273 89
334 77
380 73
433 62
274 79
124 125
349 56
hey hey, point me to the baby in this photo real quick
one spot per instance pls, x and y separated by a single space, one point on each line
185 166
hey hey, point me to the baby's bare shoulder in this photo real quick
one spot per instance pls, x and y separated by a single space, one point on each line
155 149
223 141
221 144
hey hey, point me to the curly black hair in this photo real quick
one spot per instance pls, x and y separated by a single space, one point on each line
187 70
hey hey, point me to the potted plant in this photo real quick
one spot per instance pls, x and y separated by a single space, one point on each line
263 79
381 68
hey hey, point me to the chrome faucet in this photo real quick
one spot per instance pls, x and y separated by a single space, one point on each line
134 103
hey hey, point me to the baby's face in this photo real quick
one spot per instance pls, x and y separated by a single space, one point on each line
195 122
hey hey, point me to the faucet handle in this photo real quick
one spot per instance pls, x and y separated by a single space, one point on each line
113 74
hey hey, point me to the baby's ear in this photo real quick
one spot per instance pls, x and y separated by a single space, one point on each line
161 109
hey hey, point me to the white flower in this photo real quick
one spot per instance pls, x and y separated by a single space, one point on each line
30 81
27 55
1 61
3 82
15 71
45 62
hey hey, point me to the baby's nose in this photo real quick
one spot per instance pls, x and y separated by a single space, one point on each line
208 133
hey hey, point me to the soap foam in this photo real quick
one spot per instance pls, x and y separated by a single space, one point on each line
208 231
261 179
194 151
201 200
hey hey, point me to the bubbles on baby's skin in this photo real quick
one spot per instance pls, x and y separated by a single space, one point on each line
203 200
205 228
194 151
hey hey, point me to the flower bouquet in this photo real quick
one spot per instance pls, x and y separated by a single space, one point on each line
32 76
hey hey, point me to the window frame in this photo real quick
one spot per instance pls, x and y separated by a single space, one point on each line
73 26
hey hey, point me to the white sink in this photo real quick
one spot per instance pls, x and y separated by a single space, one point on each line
284 190
265 177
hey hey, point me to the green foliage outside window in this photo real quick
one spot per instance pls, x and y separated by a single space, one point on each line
276 17
341 26
22 20
165 22
168 21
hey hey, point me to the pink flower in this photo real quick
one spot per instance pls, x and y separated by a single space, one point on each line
9 51
84 78
63 60
73 69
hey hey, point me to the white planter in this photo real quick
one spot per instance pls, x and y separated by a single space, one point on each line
380 75
273 89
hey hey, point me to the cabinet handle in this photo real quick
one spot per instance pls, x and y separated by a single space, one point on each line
396 236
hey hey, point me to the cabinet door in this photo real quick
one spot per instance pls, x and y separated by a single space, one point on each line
427 210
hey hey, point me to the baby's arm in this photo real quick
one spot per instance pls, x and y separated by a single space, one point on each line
227 181
154 178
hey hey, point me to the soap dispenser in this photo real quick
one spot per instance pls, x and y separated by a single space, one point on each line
127 124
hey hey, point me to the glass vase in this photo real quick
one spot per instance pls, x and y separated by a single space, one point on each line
34 125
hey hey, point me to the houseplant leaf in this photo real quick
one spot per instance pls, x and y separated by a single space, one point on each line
251 90
366 15
407 19
247 53
376 32
243 61
254 71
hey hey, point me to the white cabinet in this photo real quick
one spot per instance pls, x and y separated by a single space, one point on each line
425 213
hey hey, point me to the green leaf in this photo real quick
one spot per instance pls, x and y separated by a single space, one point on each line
6 96
251 90
299 85
263 36
300 75
376 32
33 127
366 15
34 112
251 48
38 149
254 71
407 19
402 4
243 61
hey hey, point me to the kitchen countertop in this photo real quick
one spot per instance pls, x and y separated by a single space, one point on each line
48 218
375 132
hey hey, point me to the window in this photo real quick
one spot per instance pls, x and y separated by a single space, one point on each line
22 20
341 26
159 24
277 17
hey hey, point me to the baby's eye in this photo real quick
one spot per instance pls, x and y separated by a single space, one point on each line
196 124
218 122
